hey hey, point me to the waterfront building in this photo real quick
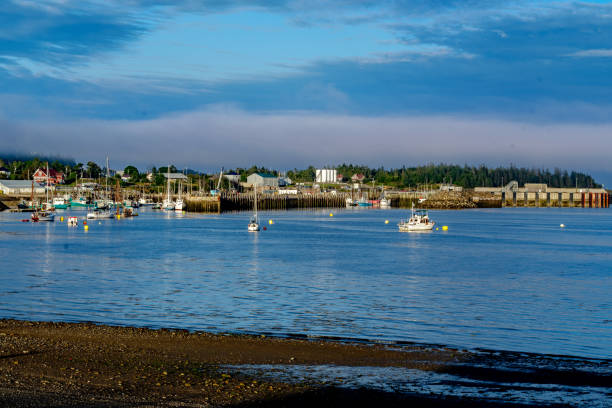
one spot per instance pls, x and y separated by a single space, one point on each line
232 177
262 179
55 177
4 171
326 176
20 187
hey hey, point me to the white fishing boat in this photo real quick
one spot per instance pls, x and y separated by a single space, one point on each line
385 202
418 221
254 222
350 202
98 213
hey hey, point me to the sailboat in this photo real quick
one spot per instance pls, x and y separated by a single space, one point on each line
44 214
102 208
168 204
254 222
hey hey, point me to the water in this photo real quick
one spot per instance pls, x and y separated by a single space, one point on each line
504 279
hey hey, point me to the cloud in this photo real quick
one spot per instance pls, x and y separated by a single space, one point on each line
591 53
226 136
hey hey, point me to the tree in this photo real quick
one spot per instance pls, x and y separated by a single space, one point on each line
93 170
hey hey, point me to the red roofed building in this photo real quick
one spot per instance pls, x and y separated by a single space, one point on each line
358 177
55 177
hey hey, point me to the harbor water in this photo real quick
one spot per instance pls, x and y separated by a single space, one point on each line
500 279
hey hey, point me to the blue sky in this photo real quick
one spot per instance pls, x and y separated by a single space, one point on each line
284 83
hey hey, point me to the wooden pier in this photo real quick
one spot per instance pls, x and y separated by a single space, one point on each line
245 202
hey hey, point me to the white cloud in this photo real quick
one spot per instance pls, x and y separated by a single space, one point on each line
591 53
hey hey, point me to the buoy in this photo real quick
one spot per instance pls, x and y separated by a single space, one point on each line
562 225
437 228
61 219
84 222
386 221
331 214
118 216
86 227
270 222
265 229
444 228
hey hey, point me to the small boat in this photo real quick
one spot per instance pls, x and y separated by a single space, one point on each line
60 203
80 202
168 204
350 202
254 221
385 202
178 205
98 213
43 216
73 221
418 221
156 206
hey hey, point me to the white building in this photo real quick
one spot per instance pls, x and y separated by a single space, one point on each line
326 176
263 179
20 187
175 176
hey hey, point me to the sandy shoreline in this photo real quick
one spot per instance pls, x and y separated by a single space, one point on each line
65 364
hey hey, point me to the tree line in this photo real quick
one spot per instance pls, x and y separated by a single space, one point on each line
403 177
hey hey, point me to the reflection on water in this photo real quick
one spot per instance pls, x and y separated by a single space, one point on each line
498 279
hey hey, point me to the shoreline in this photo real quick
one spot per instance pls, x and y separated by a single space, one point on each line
85 364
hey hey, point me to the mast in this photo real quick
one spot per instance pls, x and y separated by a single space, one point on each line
168 177
47 189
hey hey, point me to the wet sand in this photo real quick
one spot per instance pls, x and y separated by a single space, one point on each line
87 365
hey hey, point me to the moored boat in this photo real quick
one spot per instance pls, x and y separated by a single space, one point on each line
419 221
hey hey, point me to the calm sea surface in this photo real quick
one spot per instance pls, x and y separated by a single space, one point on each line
507 279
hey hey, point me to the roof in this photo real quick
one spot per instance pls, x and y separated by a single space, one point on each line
266 175
175 176
19 184
52 172
4 169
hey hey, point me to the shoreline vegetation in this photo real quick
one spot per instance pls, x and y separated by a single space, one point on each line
22 167
90 365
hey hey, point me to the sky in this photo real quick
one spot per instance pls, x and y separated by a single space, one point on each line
287 84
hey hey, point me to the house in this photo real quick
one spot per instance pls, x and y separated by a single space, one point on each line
358 178
4 171
55 177
284 181
125 177
20 187
263 179
232 177
339 178
150 176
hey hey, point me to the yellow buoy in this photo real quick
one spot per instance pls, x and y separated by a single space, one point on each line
61 219
270 222
331 214
86 227
444 228
118 216
437 228
386 221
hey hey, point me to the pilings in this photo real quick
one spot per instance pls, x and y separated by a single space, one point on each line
245 202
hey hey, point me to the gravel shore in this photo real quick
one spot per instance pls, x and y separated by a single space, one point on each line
88 365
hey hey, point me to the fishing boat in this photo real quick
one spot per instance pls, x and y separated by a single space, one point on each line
156 206
98 213
80 202
61 203
385 202
254 222
418 221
